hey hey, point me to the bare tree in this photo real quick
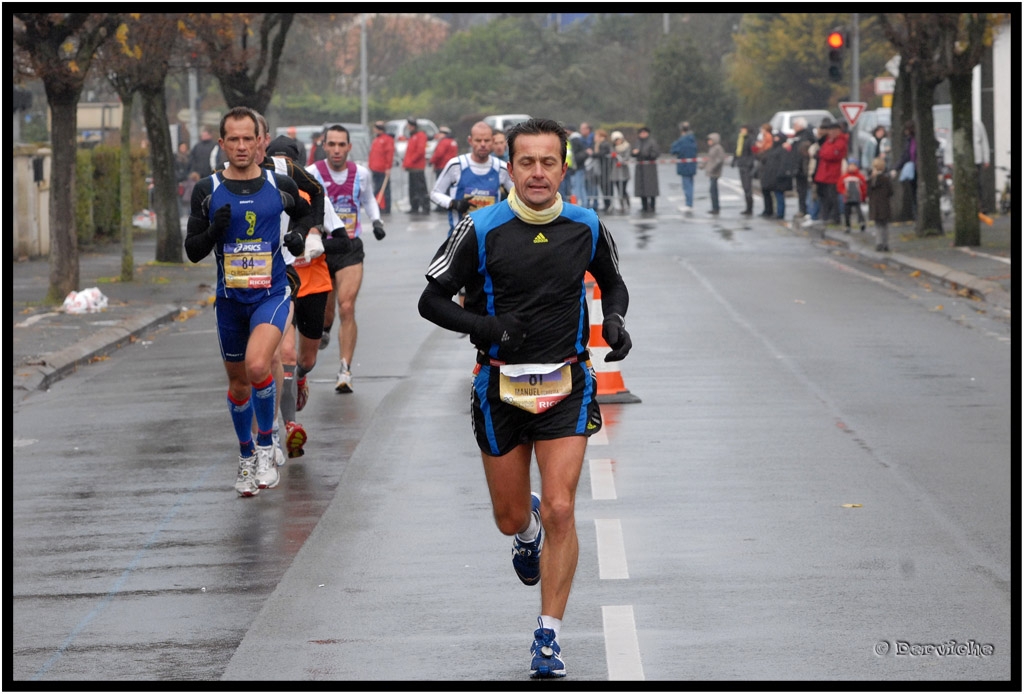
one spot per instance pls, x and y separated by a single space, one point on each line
243 51
57 48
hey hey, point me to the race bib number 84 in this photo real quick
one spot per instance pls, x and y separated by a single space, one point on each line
248 265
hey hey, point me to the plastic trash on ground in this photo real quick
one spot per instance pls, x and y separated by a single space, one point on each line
89 300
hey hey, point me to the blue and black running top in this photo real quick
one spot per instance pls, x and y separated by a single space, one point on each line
249 261
537 272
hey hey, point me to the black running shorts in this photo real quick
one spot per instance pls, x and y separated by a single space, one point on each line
500 427
355 256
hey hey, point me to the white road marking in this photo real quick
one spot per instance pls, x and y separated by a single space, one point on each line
1000 258
621 647
602 483
611 552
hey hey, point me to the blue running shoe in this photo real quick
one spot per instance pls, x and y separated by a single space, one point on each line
526 555
547 656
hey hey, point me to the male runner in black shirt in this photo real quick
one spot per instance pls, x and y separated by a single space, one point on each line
535 390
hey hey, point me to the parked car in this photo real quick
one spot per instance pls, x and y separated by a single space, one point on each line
396 128
782 121
505 121
359 135
942 116
861 133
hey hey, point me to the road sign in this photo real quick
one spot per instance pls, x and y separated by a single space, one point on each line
852 110
885 85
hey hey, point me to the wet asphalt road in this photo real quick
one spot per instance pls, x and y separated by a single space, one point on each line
816 479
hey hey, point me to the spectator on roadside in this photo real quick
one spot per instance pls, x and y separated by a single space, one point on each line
578 145
645 181
777 173
415 163
590 166
831 155
316 148
446 149
685 150
877 145
853 187
382 158
879 194
800 145
746 163
761 149
199 159
712 166
603 171
499 147
620 169
906 167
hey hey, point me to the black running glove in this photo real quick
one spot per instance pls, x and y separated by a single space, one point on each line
613 330
378 229
220 224
294 242
507 330
460 205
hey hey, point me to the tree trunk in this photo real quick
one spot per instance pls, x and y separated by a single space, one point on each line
165 184
929 212
125 196
63 232
966 226
902 111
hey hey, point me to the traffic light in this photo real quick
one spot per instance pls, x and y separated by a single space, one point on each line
836 42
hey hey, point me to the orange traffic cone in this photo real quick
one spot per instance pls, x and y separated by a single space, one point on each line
610 386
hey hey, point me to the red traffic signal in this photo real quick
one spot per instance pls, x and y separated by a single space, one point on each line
836 39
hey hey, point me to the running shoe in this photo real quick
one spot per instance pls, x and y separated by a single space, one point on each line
267 475
547 656
295 439
245 483
344 384
279 456
302 396
526 555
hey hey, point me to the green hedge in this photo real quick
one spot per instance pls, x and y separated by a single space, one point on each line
98 182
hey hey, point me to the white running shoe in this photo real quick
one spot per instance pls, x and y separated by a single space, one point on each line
267 475
245 483
344 384
279 456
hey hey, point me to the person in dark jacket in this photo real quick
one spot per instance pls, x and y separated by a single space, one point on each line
800 145
745 162
645 184
685 151
879 195
777 174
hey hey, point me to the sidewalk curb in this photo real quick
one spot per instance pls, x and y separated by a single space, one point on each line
988 291
53 366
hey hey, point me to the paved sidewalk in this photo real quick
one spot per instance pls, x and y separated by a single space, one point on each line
50 344
986 270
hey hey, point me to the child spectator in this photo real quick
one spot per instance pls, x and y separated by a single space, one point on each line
879 194
853 189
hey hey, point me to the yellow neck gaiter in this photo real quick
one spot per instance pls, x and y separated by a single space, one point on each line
532 216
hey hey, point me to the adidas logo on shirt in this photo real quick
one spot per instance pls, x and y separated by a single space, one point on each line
540 238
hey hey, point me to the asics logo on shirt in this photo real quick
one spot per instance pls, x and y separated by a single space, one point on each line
540 238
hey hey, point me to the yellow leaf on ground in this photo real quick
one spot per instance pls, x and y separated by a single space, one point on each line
915 273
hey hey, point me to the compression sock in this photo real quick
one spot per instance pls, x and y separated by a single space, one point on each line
263 406
288 393
241 417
